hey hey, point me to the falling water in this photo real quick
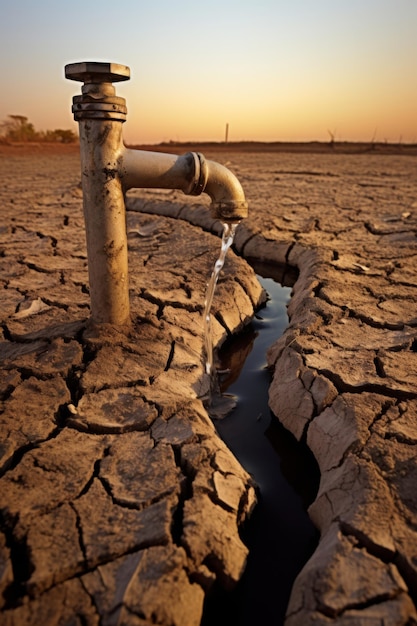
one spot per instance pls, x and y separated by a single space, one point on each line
227 240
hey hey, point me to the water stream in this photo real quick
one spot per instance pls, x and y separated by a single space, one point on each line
227 240
280 535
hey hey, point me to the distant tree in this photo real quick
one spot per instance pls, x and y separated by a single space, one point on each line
18 128
60 135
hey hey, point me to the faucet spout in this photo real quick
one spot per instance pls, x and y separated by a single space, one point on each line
190 173
228 202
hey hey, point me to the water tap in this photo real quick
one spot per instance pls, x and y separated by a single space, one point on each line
109 169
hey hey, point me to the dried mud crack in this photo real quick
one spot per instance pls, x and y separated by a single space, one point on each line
119 503
110 465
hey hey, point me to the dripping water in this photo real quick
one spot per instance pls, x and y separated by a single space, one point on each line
227 240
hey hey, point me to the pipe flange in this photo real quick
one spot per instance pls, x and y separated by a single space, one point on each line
99 115
201 174
88 107
99 110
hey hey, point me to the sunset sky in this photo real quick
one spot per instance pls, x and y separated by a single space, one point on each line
275 70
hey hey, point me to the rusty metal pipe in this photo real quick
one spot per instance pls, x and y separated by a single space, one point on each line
192 174
109 169
105 222
158 170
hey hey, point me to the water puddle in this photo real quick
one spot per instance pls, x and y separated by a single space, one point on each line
280 535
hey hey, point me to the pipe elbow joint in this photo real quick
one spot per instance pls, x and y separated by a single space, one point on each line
228 202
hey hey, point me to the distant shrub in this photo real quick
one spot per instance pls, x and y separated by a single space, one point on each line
59 135
18 128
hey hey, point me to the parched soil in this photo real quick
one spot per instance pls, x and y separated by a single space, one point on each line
118 502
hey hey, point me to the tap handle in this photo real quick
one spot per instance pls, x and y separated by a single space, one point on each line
98 100
96 72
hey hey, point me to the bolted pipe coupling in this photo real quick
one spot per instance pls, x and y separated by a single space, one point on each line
105 108
200 174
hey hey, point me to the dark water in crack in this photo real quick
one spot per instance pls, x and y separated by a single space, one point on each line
280 535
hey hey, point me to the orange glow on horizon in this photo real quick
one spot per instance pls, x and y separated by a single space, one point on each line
273 70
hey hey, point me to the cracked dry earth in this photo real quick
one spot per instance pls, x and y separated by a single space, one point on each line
119 503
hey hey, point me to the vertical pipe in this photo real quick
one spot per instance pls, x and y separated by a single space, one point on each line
104 213
100 114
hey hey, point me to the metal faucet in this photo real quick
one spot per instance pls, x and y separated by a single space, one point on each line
109 169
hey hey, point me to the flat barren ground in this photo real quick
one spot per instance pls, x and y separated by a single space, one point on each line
79 538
